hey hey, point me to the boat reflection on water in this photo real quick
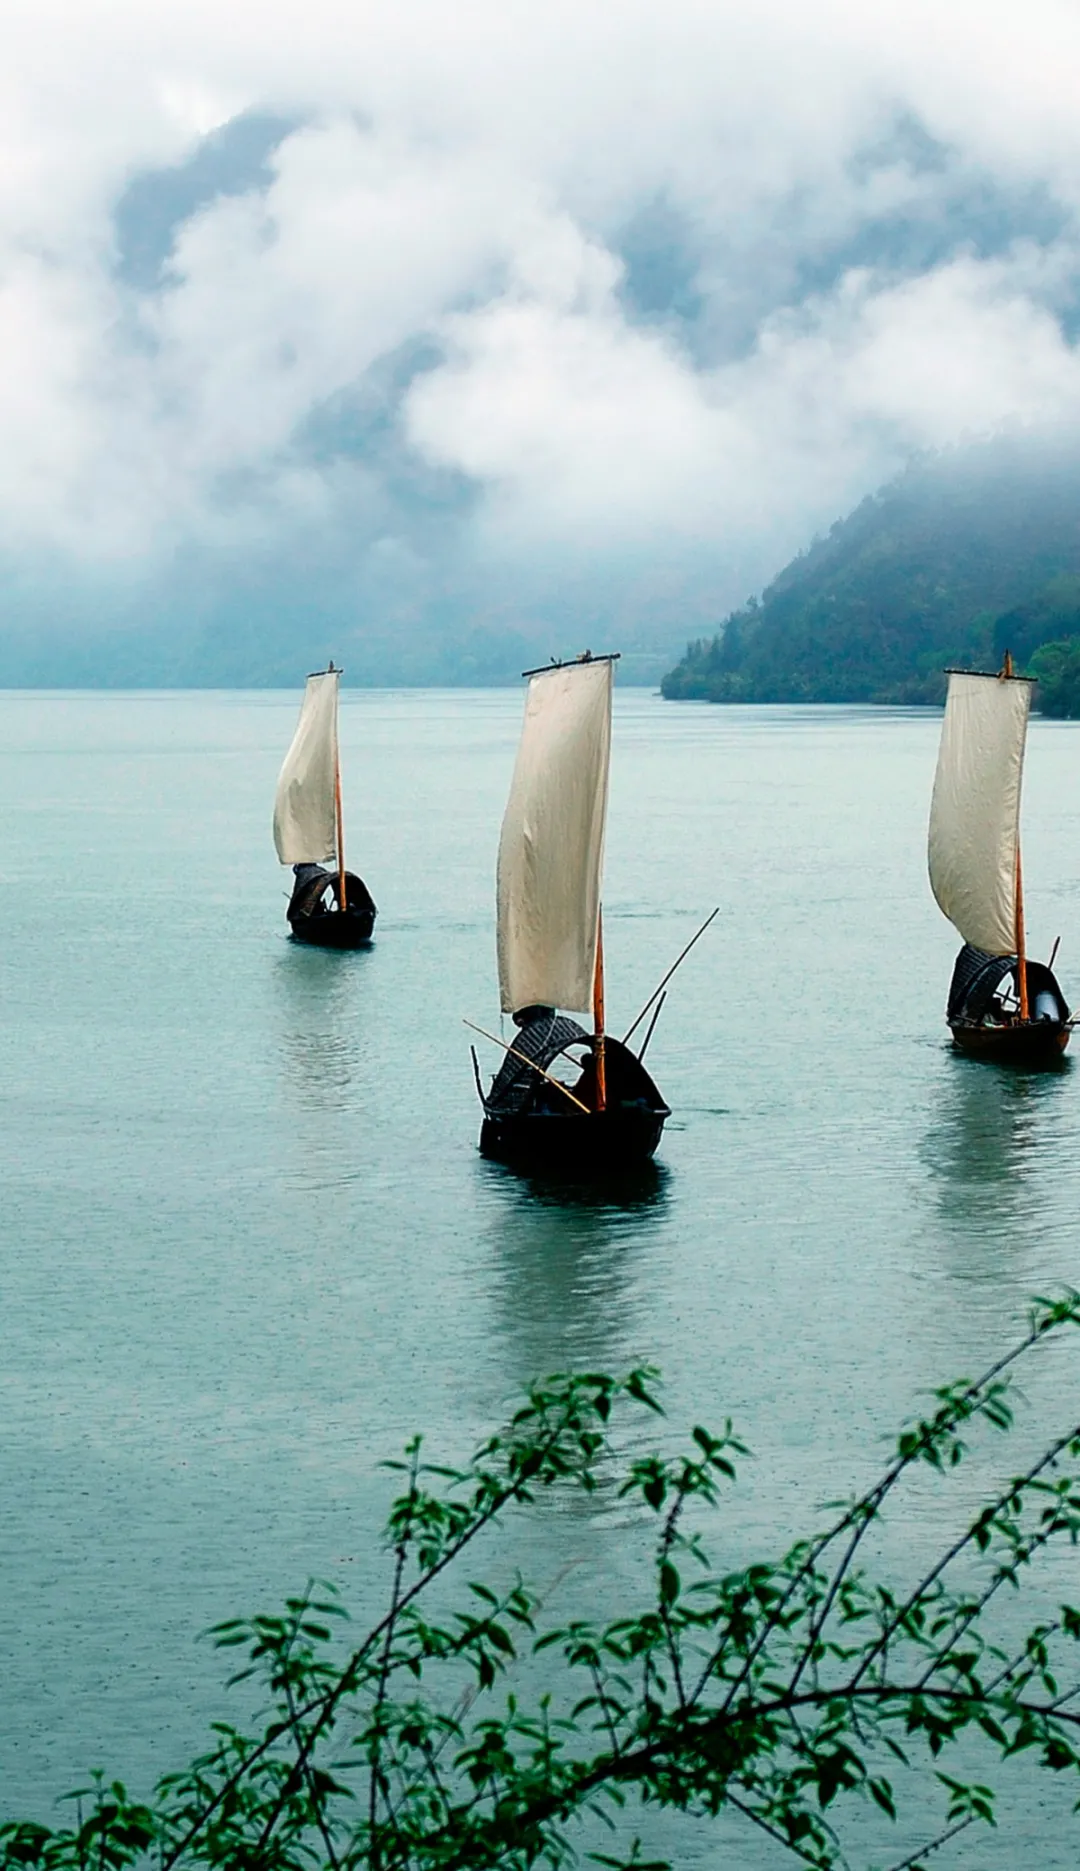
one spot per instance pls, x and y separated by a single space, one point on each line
632 1192
321 1041
993 1151
569 1264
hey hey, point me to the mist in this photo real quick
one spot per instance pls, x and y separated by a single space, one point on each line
432 338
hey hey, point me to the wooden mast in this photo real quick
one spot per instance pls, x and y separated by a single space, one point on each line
1021 941
337 800
598 1016
1021 945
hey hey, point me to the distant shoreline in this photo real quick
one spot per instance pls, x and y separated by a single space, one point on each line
290 690
512 685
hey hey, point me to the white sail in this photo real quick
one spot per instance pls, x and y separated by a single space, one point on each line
551 851
305 818
975 812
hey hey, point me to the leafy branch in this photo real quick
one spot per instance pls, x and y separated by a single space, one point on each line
468 1729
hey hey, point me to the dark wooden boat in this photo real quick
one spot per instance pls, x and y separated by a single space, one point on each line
1002 1006
606 1117
530 1124
328 908
983 1012
316 915
1027 1045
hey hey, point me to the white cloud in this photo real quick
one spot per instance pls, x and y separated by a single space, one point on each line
585 428
465 176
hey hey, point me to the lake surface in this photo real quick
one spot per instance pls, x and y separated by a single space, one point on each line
248 1245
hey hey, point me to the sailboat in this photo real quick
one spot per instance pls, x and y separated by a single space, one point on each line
550 947
1002 1005
332 908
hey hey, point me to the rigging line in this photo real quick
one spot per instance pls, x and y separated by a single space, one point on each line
679 959
525 1060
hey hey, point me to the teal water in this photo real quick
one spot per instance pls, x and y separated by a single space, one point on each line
248 1244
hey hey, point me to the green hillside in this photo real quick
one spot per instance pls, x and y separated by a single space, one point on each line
956 559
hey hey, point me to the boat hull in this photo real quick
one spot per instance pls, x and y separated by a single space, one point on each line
603 1143
334 928
1028 1043
315 914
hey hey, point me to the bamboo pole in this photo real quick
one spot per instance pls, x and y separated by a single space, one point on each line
1021 946
598 1016
679 959
657 1011
525 1060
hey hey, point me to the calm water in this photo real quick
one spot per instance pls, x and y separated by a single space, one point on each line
248 1244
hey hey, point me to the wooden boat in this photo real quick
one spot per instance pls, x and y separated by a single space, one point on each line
1001 1005
329 908
608 1116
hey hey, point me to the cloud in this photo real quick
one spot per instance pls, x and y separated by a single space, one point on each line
443 301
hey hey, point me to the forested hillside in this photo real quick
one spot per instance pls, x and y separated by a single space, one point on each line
953 561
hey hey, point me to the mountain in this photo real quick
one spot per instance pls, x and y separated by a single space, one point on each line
960 557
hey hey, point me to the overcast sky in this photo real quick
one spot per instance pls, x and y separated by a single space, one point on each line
514 296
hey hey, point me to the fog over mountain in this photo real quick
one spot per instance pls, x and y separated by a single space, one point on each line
435 337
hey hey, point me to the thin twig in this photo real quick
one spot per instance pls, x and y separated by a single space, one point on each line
868 1505
666 1542
943 1838
320 1817
294 1723
327 1701
774 1832
602 1700
380 1696
818 1623
1004 1575
959 1546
